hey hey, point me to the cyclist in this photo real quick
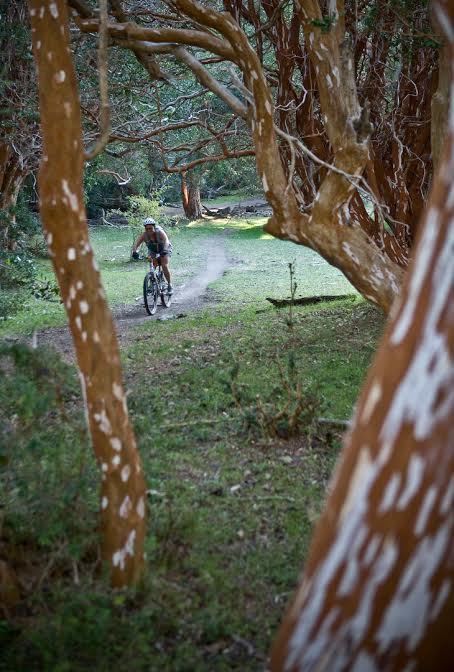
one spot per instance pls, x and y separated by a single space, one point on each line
157 242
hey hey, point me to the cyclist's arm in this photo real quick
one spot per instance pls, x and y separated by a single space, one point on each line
138 242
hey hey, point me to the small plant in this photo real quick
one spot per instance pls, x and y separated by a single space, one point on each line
293 286
286 411
46 290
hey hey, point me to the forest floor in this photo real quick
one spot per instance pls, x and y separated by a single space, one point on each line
234 488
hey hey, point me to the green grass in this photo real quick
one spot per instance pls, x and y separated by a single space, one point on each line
231 508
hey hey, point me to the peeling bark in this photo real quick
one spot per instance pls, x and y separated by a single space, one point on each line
12 175
377 588
123 497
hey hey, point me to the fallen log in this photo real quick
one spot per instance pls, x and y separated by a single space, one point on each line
307 300
217 212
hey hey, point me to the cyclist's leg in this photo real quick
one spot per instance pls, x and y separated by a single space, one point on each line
165 267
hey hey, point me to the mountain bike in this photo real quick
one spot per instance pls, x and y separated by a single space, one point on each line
155 287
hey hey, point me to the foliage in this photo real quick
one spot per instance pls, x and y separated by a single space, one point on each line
16 269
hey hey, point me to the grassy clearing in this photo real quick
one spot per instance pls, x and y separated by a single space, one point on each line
231 509
259 269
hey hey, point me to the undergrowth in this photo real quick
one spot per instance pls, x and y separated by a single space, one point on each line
225 406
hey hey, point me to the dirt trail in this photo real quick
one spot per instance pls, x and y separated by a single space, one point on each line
186 299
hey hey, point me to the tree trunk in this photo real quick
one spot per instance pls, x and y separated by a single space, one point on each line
123 495
377 590
190 190
12 176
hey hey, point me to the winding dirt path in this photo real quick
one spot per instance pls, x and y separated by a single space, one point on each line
186 299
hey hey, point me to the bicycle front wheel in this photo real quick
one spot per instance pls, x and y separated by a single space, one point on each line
166 298
150 294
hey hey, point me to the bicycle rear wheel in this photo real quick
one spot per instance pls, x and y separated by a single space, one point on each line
150 294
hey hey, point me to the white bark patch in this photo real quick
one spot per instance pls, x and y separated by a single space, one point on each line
103 422
117 391
372 400
116 460
443 594
268 107
73 200
371 551
53 10
116 443
71 254
352 568
348 250
79 284
125 507
119 557
104 503
364 663
141 508
49 239
125 473
358 481
408 613
329 82
84 307
84 336
420 270
78 321
104 466
415 473
68 109
254 74
96 338
265 183
390 494
60 76
425 510
447 503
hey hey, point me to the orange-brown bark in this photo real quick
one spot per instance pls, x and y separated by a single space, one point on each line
123 503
